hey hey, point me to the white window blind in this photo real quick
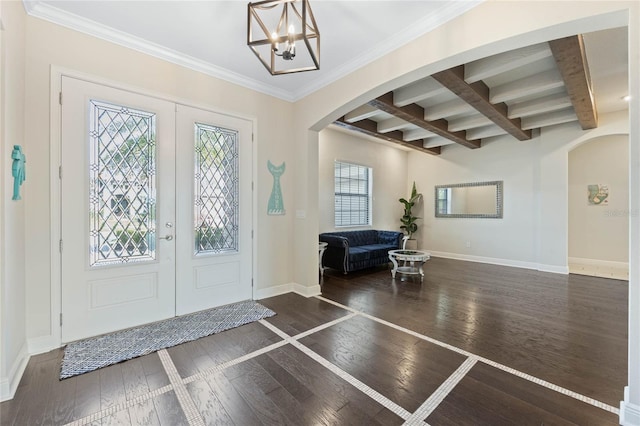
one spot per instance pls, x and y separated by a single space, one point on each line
352 194
443 201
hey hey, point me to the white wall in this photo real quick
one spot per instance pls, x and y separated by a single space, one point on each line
600 232
50 45
389 177
13 352
510 239
533 232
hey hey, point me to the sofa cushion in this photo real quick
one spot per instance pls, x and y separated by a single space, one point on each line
361 238
357 254
378 250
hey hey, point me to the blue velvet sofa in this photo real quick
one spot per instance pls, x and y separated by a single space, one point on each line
354 250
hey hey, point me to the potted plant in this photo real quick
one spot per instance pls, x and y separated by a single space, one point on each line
409 225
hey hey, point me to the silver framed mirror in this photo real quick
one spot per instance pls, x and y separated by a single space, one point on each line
469 200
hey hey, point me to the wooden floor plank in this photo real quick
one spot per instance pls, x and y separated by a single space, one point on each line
208 404
111 386
235 406
61 405
182 360
203 354
284 378
144 414
402 367
154 372
262 406
119 418
309 312
135 381
37 403
490 396
169 411
87 398
323 383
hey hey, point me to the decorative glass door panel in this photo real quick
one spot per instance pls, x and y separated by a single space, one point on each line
213 208
122 184
118 189
216 195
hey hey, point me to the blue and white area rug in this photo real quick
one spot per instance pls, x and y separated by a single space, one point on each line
97 352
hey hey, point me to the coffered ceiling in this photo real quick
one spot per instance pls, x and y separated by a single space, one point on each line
514 93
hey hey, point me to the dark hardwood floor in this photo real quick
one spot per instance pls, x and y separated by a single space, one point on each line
473 344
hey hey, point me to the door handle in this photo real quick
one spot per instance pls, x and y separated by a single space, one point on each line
166 237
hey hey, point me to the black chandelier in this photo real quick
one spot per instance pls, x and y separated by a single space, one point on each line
272 36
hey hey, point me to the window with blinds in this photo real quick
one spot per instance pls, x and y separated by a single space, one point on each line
443 200
352 194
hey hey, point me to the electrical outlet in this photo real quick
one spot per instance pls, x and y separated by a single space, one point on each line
468 244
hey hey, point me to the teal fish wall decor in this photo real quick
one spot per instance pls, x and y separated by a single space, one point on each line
18 170
276 204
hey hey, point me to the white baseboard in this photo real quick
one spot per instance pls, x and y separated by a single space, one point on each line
287 288
9 384
263 293
307 291
502 262
599 268
42 344
629 413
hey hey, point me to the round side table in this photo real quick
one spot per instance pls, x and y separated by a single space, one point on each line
412 261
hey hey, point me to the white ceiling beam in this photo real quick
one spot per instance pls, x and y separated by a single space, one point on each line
504 62
549 119
370 128
436 141
418 91
486 132
540 105
447 109
360 113
414 114
469 122
415 134
391 124
526 86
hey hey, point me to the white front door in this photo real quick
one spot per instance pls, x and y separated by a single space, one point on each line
213 209
136 210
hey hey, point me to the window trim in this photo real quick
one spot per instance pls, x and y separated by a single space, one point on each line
368 195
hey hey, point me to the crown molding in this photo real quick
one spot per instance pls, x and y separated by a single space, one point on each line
57 16
412 32
69 20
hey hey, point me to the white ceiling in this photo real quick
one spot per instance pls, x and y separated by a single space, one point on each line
211 36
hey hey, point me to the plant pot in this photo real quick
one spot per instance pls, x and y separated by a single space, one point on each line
412 244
